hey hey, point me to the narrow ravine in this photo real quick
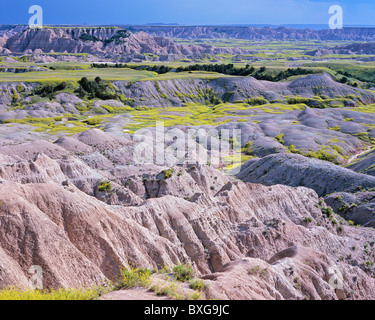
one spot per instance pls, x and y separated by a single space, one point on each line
356 156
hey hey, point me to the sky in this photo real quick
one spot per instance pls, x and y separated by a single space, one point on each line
187 12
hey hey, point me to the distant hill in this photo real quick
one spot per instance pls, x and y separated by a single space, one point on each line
298 32
356 48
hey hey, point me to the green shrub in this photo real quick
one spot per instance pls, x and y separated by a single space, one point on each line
280 137
133 278
105 186
94 121
321 155
338 150
183 272
20 88
15 98
327 211
196 296
336 128
164 269
292 148
167 173
95 89
258 101
48 89
196 284
247 149
307 219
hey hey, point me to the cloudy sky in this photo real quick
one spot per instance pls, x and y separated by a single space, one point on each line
188 12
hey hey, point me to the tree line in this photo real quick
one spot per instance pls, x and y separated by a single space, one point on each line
228 69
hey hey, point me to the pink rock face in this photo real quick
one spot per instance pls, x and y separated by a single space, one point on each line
234 235
297 273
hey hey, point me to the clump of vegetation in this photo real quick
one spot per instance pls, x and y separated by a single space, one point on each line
320 154
88 37
114 110
133 278
105 186
280 137
95 89
311 102
336 128
259 74
94 121
164 269
247 149
258 271
307 219
297 283
167 173
20 88
196 284
170 290
327 211
158 69
183 272
258 101
119 37
14 293
49 89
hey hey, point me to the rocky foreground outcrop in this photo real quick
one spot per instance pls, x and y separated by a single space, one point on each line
54 214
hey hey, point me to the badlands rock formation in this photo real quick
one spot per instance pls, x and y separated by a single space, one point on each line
248 241
237 89
102 41
297 170
257 33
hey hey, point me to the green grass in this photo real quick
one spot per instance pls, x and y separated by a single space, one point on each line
134 277
196 284
75 75
14 293
183 272
363 72
65 72
167 173
144 117
319 154
280 137
365 109
105 186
